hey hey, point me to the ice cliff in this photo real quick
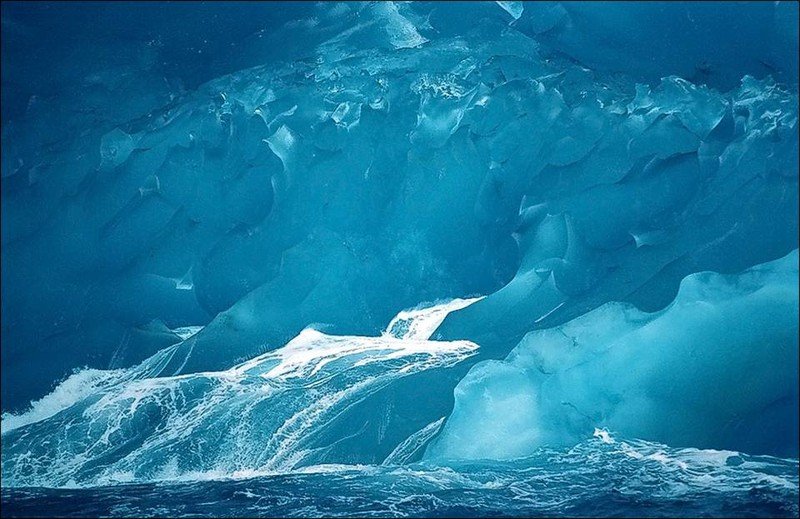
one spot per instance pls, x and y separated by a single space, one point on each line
308 180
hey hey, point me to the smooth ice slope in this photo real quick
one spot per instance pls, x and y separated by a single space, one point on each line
716 369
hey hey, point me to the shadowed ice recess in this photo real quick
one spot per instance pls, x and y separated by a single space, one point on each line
545 254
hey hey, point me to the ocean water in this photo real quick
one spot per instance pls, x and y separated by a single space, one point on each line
601 477
400 259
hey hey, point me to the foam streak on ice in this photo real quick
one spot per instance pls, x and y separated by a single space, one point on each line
274 413
421 323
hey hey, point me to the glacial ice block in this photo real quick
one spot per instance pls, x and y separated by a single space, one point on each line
660 195
716 369
365 157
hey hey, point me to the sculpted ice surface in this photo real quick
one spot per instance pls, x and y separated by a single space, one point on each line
439 245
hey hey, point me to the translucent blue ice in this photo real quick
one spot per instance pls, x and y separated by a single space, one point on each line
385 234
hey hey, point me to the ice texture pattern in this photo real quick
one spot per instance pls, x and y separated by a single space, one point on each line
544 254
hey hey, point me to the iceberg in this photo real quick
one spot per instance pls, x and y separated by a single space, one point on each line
426 243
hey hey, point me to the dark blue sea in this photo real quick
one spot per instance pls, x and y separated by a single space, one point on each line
597 478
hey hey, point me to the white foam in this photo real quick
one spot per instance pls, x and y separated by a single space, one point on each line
75 388
263 412
184 332
420 323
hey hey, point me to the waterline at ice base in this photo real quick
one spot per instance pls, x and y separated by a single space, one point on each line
400 259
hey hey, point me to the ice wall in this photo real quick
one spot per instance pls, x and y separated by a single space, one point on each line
717 368
335 163
641 209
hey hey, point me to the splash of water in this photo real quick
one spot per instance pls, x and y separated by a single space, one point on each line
282 410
